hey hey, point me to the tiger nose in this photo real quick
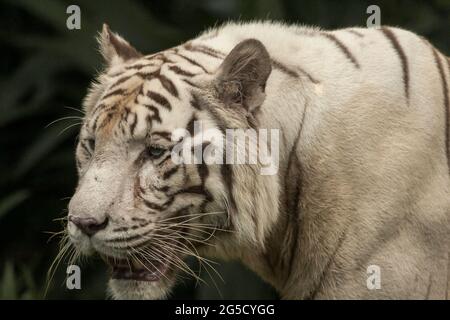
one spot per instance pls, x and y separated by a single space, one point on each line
88 225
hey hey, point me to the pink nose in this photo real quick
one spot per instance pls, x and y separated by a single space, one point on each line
89 226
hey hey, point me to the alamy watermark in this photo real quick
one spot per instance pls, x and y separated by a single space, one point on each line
374 277
73 21
73 280
374 20
234 146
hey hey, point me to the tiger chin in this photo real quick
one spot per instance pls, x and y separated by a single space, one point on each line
361 171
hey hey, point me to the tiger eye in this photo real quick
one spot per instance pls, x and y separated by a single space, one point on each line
155 151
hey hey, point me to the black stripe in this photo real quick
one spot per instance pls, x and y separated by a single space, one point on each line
293 205
293 212
85 148
126 113
168 85
91 143
342 47
114 93
163 134
203 172
225 169
133 124
445 89
98 107
278 65
159 56
161 161
165 82
120 229
191 125
180 71
159 99
140 220
205 50
195 103
155 116
228 177
292 73
95 123
162 189
121 80
356 33
147 75
169 173
145 234
192 61
158 207
402 56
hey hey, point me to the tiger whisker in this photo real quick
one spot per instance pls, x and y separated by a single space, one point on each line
65 245
137 258
62 119
182 236
190 252
68 127
53 234
201 260
75 109
191 215
205 260
186 250
195 227
179 263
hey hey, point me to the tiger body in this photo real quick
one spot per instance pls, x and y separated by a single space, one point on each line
363 176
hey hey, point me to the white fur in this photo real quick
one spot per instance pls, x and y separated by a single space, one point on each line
375 181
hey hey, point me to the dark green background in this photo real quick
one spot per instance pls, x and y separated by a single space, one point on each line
45 67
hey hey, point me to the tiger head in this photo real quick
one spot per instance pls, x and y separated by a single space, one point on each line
138 208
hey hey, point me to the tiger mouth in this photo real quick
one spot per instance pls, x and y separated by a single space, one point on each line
150 270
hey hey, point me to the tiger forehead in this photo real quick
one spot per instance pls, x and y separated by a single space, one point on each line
161 77
166 67
144 89
156 82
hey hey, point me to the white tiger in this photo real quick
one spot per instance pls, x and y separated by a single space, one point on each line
363 177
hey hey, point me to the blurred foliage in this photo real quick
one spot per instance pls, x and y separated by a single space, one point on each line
44 73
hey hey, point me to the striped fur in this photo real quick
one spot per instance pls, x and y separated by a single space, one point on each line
364 158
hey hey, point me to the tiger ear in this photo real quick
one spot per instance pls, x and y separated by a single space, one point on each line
114 48
242 77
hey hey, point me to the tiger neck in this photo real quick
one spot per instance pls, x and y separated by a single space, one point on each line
266 222
276 261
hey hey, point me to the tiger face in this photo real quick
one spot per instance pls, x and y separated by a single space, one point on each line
136 207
